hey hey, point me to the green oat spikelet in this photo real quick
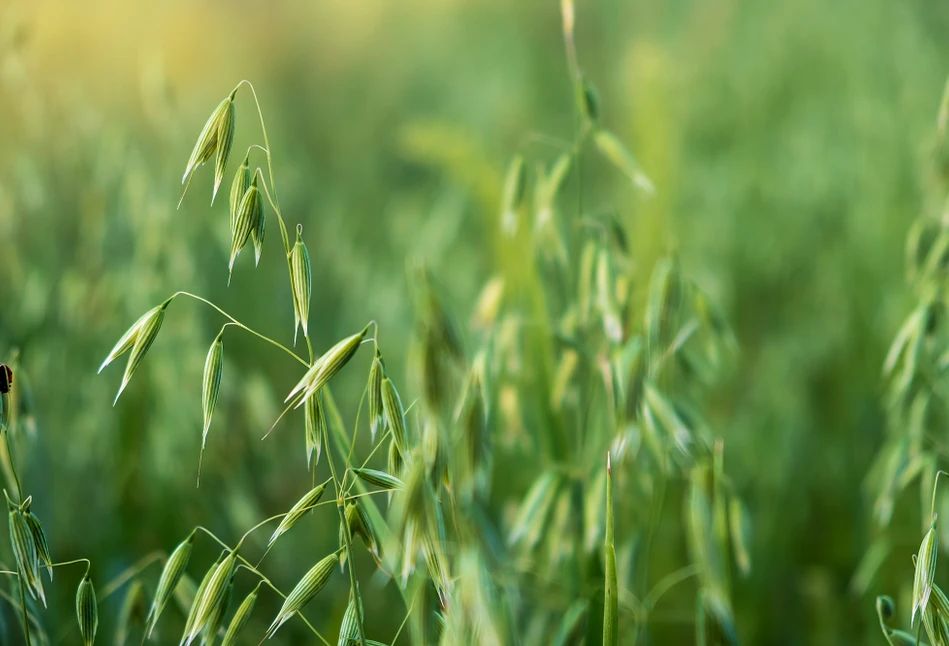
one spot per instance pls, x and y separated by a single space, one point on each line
24 551
208 139
259 230
240 618
249 213
352 620
168 581
87 611
127 340
213 596
327 366
315 420
210 631
238 187
300 284
39 538
378 478
138 338
198 596
925 571
376 414
225 139
304 591
394 413
298 511
145 335
211 388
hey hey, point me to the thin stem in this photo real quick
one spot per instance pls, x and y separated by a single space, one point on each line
12 601
244 327
258 147
249 566
298 614
347 536
263 130
286 410
26 613
16 478
405 621
129 572
932 512
352 446
667 583
544 138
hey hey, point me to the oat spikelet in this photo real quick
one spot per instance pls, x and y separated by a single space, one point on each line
298 511
144 336
249 213
238 187
376 419
315 428
170 575
925 571
378 478
326 367
225 139
211 388
304 591
240 618
87 612
300 284
394 413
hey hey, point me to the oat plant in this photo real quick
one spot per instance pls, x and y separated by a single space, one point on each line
915 373
587 375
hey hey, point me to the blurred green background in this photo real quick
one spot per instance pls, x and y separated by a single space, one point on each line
787 138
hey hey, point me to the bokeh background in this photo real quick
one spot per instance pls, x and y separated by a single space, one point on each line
788 140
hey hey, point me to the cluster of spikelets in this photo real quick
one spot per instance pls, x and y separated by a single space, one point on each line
437 539
915 371
930 605
386 412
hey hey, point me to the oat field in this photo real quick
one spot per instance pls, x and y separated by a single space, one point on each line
562 322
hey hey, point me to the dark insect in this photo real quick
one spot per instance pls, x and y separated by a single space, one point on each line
6 378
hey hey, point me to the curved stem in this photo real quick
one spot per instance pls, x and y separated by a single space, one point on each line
263 130
249 566
244 327
932 511
667 583
124 576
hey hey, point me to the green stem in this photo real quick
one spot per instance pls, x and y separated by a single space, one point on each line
249 566
263 130
347 536
16 478
26 615
124 576
244 327
932 512
667 583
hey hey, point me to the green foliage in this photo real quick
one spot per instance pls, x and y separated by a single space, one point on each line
766 488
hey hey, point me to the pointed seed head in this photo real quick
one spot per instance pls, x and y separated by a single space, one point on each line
303 506
300 283
87 612
225 138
